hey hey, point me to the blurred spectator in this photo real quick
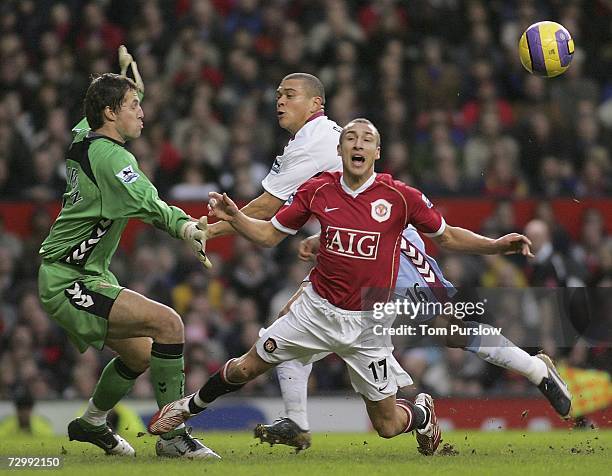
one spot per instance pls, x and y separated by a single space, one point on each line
595 178
7 270
603 276
200 132
592 236
501 272
337 26
560 237
479 147
487 100
436 81
97 34
548 268
539 141
503 178
554 179
572 89
46 184
502 221
25 422
9 241
40 223
446 180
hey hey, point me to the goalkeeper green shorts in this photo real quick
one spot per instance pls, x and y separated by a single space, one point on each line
78 302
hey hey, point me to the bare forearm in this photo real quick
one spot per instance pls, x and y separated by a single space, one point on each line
465 241
261 232
262 207
220 228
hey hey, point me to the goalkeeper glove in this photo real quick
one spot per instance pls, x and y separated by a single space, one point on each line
126 60
196 233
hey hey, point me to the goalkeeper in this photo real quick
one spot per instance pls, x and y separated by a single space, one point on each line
105 187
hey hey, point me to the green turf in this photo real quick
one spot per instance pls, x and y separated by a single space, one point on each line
521 453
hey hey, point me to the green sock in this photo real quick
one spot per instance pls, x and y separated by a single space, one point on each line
115 383
168 375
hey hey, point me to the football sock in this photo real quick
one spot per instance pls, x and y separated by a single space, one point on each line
116 381
168 377
167 372
216 386
93 417
418 415
498 350
293 380
198 403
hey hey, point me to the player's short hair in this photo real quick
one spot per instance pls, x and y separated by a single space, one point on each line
105 90
361 120
313 84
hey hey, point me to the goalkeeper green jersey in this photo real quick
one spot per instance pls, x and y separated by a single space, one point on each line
104 188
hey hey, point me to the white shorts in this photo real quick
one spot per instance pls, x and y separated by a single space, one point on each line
313 328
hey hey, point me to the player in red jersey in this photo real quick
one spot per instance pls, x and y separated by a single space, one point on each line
362 217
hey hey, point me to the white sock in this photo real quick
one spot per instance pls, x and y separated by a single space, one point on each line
93 415
198 401
293 380
500 351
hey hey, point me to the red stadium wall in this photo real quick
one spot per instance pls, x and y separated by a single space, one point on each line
469 213
508 413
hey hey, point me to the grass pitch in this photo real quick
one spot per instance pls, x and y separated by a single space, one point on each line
505 452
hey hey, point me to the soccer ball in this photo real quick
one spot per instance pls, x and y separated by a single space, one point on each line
546 49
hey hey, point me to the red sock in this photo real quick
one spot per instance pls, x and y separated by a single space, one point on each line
408 408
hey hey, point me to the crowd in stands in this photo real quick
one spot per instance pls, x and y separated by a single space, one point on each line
442 81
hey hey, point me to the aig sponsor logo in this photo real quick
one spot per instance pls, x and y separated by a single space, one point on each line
352 243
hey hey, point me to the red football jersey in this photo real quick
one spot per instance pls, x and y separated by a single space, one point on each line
360 232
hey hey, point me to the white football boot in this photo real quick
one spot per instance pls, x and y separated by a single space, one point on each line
184 446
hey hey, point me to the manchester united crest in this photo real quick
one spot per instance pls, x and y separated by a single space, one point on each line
269 345
381 210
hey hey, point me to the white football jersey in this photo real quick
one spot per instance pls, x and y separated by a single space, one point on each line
313 150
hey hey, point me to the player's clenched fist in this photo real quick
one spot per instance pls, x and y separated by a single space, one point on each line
195 233
222 206
309 248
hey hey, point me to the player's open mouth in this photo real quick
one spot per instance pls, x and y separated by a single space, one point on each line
358 159
280 114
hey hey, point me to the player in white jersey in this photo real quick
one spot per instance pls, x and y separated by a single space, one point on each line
312 149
